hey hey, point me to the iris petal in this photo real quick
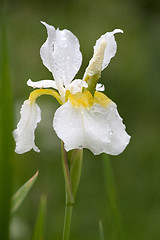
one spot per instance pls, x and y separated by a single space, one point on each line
61 55
98 129
24 134
42 84
111 46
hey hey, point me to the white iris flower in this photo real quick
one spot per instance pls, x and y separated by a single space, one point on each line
86 118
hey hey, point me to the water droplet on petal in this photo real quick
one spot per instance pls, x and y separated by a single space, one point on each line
111 132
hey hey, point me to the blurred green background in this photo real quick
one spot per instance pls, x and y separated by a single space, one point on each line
131 81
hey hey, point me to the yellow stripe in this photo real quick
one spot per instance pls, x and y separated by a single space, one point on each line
101 99
86 100
38 92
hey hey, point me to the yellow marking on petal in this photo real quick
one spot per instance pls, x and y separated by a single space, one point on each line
67 95
101 99
36 93
84 99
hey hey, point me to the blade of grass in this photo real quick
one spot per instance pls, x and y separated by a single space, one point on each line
6 127
101 231
20 195
114 216
40 222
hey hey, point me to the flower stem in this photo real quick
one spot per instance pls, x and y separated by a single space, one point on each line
72 166
67 178
67 221
69 195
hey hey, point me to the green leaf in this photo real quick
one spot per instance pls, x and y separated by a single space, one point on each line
114 215
6 127
40 222
20 195
101 231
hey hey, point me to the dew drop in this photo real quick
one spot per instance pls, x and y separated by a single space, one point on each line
111 133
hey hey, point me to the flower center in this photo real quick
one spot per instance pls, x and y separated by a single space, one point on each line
86 99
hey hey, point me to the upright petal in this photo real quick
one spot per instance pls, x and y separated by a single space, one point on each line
95 64
24 134
61 55
98 129
111 46
46 50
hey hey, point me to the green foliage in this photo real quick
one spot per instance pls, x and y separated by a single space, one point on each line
21 193
101 230
115 229
6 126
40 222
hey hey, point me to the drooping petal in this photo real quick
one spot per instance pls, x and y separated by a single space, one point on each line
24 133
119 138
77 85
98 129
61 55
42 84
67 123
111 46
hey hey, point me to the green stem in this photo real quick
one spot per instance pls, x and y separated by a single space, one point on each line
72 166
67 178
67 221
69 195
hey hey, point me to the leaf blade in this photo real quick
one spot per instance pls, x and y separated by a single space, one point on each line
21 193
6 126
40 222
114 214
101 230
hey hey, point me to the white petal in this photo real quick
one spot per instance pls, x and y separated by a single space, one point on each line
111 46
67 123
61 55
98 129
24 134
42 84
119 137
95 64
77 85
46 50
100 87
